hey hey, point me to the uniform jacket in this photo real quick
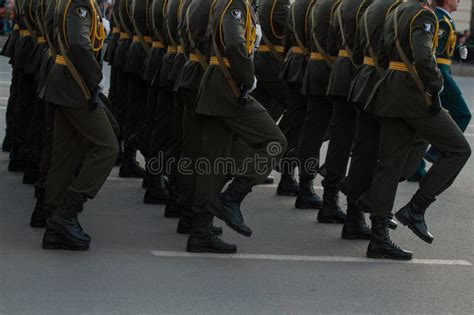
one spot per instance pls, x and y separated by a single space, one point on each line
80 29
195 23
121 14
396 94
233 31
170 43
158 46
139 23
8 49
273 17
318 24
343 69
367 75
445 51
37 7
114 37
294 67
25 44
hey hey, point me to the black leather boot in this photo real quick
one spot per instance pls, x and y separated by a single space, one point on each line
269 180
226 206
203 240
17 161
288 186
330 211
413 215
364 204
41 212
185 223
7 144
355 226
63 228
157 191
130 167
172 209
307 197
30 176
381 246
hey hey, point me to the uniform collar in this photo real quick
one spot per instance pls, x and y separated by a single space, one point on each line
447 13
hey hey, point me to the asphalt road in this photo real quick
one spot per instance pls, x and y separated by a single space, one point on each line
291 265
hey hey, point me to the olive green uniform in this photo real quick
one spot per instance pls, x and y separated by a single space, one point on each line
341 42
399 124
318 115
78 125
271 91
226 121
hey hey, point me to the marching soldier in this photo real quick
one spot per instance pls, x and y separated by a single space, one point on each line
319 108
81 123
341 43
133 15
451 96
414 80
293 73
22 112
158 123
9 51
193 27
228 112
271 91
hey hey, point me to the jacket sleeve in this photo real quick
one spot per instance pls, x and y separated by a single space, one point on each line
79 24
357 48
233 32
423 33
443 37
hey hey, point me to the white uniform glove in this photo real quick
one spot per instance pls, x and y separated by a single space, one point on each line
106 24
258 38
463 52
102 84
254 86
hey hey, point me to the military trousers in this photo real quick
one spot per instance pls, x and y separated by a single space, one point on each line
273 96
118 95
12 98
135 110
191 147
46 145
78 131
223 138
318 117
396 139
295 115
23 110
150 111
343 125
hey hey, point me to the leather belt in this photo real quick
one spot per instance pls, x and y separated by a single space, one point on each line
157 44
397 66
60 60
265 48
343 53
444 61
215 62
369 61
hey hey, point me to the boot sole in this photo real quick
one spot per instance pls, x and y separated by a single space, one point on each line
232 226
155 201
38 224
207 250
348 236
307 206
385 256
331 221
287 194
59 245
407 223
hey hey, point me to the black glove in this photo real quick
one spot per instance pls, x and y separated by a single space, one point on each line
244 98
435 103
95 98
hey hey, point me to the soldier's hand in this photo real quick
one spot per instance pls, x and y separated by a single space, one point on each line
95 98
463 52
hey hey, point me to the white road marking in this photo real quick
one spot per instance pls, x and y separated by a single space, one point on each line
301 258
469 134
5 82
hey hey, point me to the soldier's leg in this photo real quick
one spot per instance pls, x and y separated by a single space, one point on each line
291 126
160 142
33 157
93 128
267 143
314 130
444 135
272 95
361 172
137 98
42 211
396 139
21 121
65 156
12 99
342 127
